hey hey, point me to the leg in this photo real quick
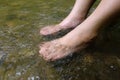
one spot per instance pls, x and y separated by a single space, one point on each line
76 16
83 32
103 13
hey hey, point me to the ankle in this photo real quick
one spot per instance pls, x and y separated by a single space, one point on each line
72 21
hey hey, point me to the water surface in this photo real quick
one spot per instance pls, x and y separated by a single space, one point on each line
20 22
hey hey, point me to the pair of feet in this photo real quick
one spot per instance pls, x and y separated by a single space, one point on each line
60 48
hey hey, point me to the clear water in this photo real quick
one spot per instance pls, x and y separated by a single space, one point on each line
20 21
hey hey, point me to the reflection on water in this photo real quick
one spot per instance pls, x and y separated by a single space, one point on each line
19 38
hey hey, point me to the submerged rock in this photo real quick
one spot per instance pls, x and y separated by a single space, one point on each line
19 37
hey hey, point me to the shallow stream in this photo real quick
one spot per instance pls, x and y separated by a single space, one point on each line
20 22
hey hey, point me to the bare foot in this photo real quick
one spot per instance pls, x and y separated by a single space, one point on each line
64 25
75 40
54 50
52 29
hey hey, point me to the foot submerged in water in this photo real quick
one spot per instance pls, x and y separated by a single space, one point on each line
64 25
54 50
62 47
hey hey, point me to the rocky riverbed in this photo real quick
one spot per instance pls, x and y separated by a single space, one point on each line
20 22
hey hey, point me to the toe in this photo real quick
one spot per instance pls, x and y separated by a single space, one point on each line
45 30
55 56
58 56
50 57
44 49
49 30
43 53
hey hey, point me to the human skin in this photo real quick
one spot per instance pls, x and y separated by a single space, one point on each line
83 33
75 17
